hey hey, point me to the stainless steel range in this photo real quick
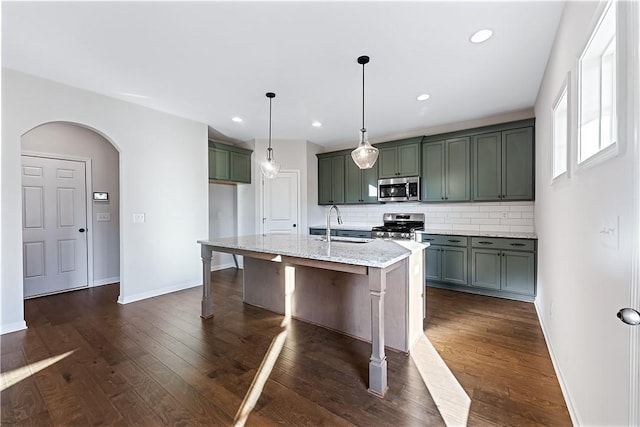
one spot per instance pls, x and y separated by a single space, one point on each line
399 226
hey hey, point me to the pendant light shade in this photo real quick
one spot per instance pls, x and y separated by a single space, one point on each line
269 167
365 155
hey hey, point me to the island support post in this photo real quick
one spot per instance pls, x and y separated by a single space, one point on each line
378 360
207 297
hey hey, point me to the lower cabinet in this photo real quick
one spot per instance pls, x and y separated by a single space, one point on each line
364 234
501 267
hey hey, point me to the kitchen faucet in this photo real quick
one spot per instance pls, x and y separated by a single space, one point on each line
329 221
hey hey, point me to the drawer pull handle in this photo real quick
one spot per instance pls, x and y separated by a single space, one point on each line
454 241
486 243
517 244
428 240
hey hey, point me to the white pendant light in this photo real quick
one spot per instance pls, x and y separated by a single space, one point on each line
269 167
365 155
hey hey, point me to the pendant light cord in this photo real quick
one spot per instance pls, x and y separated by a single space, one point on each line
363 128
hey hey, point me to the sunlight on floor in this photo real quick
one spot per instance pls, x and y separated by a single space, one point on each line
10 378
447 393
270 359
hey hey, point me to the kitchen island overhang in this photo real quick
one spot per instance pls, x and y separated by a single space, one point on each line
373 291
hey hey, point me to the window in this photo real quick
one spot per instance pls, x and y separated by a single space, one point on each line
597 88
560 133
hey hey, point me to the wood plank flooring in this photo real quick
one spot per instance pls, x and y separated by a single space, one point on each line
155 362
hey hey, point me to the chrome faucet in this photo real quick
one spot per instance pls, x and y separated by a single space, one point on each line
329 221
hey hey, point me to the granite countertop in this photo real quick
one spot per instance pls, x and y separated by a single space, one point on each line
377 253
504 234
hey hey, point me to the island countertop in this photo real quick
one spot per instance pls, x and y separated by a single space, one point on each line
377 253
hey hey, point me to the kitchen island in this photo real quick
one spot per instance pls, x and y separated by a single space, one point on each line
370 289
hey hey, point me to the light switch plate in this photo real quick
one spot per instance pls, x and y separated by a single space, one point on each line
103 216
138 217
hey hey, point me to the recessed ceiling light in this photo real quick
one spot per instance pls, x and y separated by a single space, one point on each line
423 97
237 119
481 36
316 124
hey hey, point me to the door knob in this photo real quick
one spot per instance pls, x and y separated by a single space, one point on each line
82 230
629 316
294 225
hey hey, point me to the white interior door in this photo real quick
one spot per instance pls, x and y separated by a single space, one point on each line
281 203
54 225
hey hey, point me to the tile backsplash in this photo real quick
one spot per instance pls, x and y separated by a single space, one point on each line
499 216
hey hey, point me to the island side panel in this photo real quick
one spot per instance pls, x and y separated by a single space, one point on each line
416 297
333 299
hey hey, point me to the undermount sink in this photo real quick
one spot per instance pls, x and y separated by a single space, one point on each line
346 239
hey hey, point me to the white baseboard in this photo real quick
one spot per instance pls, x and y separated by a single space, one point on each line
222 266
157 292
575 419
107 281
12 327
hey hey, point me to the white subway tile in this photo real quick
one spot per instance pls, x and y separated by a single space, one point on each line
522 229
463 208
485 221
527 222
467 227
521 208
495 228
492 208
474 214
527 214
496 214
441 227
435 220
458 220
453 215
514 215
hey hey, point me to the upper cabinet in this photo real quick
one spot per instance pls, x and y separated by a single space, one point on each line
228 163
331 178
361 185
446 170
399 158
503 165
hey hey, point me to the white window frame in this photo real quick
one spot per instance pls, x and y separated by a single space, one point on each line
613 149
563 93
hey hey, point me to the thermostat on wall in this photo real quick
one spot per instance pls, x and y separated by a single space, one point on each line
100 196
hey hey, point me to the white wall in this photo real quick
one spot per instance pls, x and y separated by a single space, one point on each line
71 140
223 220
163 174
583 279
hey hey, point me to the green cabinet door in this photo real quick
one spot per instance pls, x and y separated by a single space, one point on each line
433 172
369 185
517 164
387 162
219 164
485 268
518 272
240 167
487 166
454 265
433 267
457 170
409 160
331 175
352 183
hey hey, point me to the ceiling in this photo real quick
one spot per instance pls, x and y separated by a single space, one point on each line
211 61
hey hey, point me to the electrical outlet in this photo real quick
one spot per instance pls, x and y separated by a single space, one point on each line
138 217
505 215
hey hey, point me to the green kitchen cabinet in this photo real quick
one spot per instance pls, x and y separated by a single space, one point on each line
399 158
504 269
361 185
331 174
228 163
446 170
503 165
446 259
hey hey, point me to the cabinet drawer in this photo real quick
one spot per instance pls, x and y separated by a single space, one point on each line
445 240
354 233
502 243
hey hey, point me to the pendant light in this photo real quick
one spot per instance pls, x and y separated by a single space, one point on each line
365 155
269 167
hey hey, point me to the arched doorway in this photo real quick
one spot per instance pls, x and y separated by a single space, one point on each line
71 223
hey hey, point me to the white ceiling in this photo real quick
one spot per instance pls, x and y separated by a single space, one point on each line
210 61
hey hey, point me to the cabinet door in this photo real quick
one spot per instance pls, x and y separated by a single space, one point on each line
408 160
218 164
457 170
517 164
240 167
337 175
454 265
325 189
485 268
487 163
353 183
433 172
433 263
518 272
369 185
387 162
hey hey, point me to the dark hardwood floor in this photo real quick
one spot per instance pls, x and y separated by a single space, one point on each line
155 362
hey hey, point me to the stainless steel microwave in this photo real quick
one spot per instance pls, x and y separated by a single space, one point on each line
399 189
